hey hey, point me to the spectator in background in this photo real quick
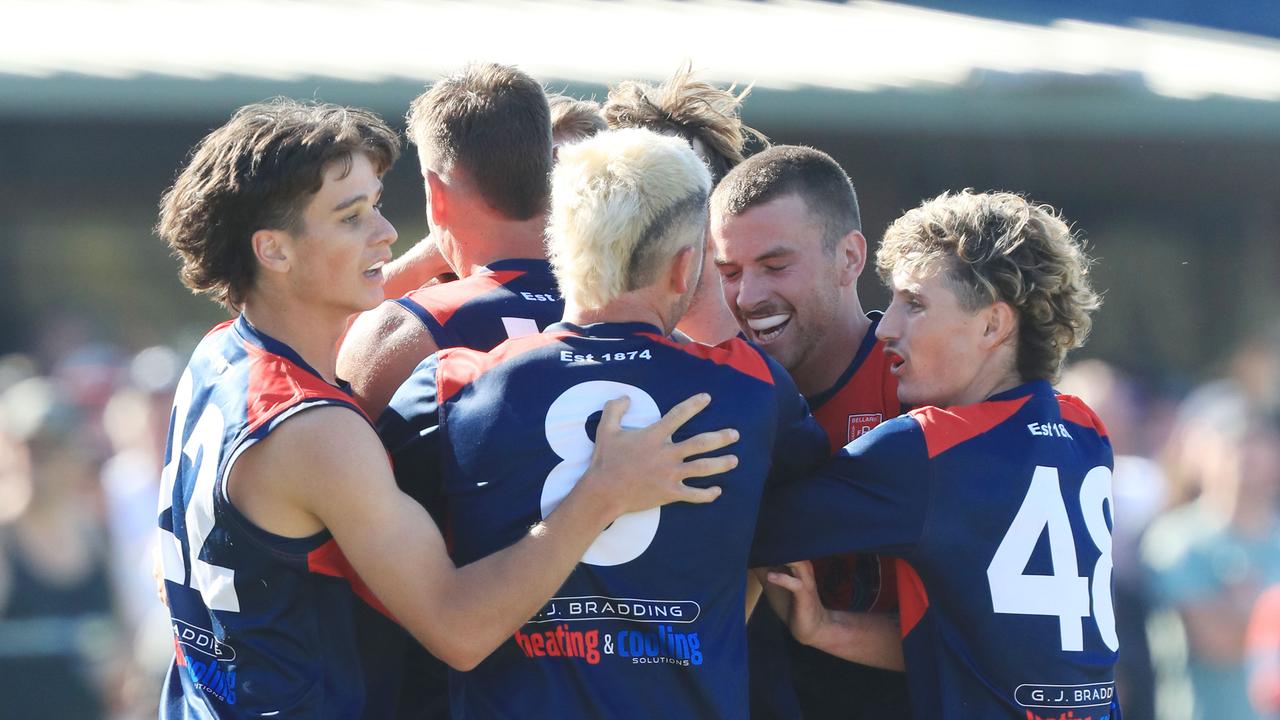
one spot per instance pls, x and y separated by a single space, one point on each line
708 118
55 600
1262 649
1210 558
136 420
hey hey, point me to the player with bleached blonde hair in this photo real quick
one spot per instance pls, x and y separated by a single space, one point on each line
641 191
709 119
650 623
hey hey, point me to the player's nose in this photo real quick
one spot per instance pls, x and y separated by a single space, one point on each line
752 291
386 232
889 327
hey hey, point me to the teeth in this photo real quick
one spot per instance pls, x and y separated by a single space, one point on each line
766 324
376 266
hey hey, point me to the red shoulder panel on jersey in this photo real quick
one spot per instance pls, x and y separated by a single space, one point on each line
443 300
275 384
460 367
913 601
944 428
329 560
1075 411
734 352
220 326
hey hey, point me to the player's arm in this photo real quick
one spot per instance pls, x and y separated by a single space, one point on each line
414 268
379 352
865 638
872 496
327 464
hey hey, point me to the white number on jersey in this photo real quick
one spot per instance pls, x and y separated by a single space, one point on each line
1064 594
203 450
519 327
566 427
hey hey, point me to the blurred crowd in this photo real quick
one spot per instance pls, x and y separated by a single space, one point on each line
82 634
1196 543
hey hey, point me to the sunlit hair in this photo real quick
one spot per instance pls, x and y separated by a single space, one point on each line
491 121
259 171
784 170
1000 247
623 203
692 109
574 120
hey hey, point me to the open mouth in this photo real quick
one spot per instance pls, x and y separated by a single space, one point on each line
767 329
374 270
896 361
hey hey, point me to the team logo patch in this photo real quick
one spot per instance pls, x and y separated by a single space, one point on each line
861 423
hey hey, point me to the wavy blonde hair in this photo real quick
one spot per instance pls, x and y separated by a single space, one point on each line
1001 247
623 203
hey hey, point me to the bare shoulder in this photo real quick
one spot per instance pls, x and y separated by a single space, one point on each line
316 457
376 330
380 350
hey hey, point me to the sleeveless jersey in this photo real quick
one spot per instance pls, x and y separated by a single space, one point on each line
1003 508
262 624
826 687
650 623
512 298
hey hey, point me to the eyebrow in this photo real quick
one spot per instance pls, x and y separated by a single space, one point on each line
362 197
776 252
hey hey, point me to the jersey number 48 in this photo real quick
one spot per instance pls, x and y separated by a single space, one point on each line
1064 594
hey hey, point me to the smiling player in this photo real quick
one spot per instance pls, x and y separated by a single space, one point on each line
996 489
277 503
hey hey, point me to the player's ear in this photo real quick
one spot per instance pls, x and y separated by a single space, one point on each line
851 257
273 249
1001 324
682 271
437 198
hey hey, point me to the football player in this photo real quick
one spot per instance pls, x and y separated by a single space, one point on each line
995 488
278 509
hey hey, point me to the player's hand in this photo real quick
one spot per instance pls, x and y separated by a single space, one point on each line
641 469
807 617
416 267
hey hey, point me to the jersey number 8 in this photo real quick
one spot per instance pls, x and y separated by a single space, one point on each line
566 427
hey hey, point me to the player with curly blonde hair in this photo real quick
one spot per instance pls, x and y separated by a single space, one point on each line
995 489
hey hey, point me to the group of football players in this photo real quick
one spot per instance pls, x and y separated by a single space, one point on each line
623 388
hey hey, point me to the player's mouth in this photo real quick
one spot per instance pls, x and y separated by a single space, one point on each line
375 270
896 361
767 329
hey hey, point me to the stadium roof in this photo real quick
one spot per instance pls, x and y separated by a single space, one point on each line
861 62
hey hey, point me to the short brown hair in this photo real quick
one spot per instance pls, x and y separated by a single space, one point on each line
492 121
257 172
692 109
574 119
1001 247
793 170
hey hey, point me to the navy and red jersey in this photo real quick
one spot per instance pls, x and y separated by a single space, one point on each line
262 624
510 299
790 679
1003 508
864 396
650 623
